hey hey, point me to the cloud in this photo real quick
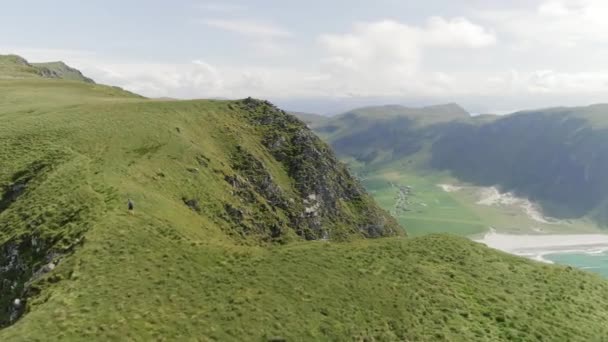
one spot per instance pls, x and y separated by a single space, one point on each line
40 54
385 57
264 39
200 79
456 32
248 28
221 7
561 23
502 57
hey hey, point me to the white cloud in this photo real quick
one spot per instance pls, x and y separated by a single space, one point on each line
385 57
199 79
248 28
502 57
457 32
561 23
39 54
554 9
221 7
265 39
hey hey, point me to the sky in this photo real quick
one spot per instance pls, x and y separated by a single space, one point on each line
327 56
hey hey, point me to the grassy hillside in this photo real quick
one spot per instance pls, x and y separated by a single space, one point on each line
245 228
425 289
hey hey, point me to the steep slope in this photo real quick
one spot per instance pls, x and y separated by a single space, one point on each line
245 228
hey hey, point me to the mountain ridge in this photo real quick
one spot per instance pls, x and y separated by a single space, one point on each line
17 67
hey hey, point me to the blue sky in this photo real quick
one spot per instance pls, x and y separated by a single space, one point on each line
327 56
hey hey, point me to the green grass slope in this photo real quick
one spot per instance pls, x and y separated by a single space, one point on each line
132 281
245 228
12 66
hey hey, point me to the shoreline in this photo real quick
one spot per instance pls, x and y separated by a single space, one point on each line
537 246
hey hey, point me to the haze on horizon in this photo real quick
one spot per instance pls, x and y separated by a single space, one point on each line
326 57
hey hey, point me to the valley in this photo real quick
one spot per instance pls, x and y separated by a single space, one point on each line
431 204
437 169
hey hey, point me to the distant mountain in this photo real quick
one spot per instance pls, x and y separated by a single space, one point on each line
63 71
312 120
437 113
12 66
557 157
369 133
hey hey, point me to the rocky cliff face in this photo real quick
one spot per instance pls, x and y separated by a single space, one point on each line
332 205
36 233
61 70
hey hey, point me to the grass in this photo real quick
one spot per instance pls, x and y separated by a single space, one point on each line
430 210
168 272
433 210
429 288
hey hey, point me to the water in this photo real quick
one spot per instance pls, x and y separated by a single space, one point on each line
585 251
592 262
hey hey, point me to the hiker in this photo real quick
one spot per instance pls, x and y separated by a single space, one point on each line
130 206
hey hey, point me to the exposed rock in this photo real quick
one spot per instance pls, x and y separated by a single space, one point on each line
235 214
192 204
60 70
202 160
11 193
324 183
256 174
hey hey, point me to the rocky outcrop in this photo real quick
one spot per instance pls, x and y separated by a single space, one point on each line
61 70
331 203
22 263
32 241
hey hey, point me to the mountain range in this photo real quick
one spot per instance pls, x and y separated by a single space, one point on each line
555 157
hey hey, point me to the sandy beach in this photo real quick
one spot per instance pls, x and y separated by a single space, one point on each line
491 196
537 246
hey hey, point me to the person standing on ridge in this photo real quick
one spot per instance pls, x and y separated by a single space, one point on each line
130 206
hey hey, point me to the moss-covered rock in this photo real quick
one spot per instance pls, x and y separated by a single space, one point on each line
335 205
